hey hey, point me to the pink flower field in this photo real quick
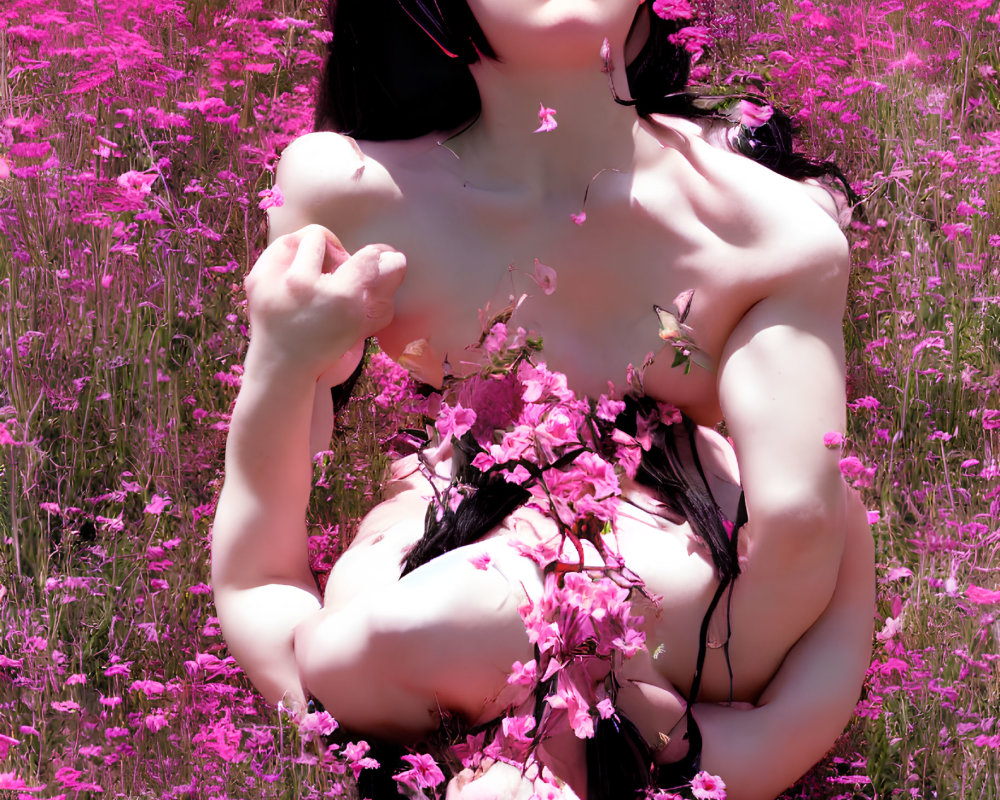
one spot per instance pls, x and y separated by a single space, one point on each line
138 142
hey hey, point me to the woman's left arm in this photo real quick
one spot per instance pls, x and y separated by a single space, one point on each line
761 751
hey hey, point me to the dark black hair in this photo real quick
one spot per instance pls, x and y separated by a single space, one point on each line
399 69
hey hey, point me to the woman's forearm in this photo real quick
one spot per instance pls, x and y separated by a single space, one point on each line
761 751
260 520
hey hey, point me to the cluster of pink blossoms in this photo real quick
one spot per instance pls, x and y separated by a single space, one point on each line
529 428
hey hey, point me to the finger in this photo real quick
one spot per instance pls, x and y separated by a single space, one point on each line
392 270
375 268
307 264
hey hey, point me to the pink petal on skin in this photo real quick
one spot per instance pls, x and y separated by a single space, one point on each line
546 116
753 115
606 56
481 561
580 218
545 277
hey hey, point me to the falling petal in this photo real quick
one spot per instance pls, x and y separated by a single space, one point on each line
546 118
545 277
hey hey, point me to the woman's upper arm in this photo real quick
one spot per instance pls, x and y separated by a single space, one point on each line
781 389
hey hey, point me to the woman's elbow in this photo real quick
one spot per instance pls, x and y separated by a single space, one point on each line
801 522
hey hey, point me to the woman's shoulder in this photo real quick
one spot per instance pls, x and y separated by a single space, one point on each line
743 200
329 178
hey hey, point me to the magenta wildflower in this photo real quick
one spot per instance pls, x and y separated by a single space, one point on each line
708 787
157 504
137 183
673 9
10 780
981 596
271 198
424 772
694 38
6 742
833 439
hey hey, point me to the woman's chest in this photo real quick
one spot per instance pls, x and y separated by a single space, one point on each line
596 293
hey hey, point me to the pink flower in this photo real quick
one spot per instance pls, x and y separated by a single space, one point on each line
673 9
708 787
631 643
518 728
545 277
606 56
270 198
6 742
9 780
495 339
606 708
851 467
568 697
136 183
546 116
753 115
157 504
694 39
523 674
320 723
147 687
833 439
155 722
424 774
981 596
454 421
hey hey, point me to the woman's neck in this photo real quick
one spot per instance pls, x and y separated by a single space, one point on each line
502 150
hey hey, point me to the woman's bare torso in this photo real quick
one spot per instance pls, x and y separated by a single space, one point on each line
687 215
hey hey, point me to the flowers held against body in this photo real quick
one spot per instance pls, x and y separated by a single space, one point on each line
517 421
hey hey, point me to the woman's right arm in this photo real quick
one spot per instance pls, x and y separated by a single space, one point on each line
308 302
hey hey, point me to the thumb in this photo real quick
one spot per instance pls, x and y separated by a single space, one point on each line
375 268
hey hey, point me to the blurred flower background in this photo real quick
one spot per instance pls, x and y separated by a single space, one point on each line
137 148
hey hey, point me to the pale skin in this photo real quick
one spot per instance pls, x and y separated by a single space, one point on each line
769 267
